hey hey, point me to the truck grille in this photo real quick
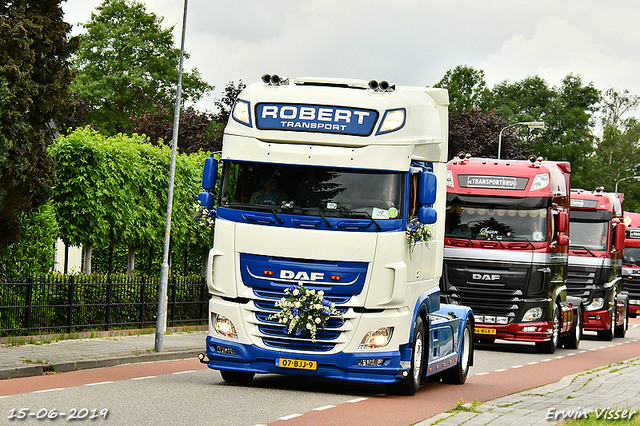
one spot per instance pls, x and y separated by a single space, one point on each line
274 334
487 301
631 287
580 281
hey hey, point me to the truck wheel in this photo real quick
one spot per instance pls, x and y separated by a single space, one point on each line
621 330
410 385
572 340
458 374
236 376
607 335
550 345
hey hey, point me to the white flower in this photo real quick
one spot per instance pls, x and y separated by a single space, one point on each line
321 293
296 292
318 320
309 326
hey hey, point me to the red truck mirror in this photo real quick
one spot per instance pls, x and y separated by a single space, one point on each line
563 222
563 240
621 230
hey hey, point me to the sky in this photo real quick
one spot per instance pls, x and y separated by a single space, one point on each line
406 42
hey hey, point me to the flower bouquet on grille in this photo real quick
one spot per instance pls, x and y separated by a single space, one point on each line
304 310
417 232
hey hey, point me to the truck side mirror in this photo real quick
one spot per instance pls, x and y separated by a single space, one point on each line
427 186
210 173
206 199
427 214
563 240
563 222
620 236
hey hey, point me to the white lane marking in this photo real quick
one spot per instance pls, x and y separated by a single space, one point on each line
483 374
517 366
290 416
143 378
48 390
358 400
99 383
502 369
185 372
324 408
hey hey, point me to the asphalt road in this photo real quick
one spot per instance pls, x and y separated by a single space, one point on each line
186 392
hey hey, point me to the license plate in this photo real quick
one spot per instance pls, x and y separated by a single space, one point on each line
482 330
296 363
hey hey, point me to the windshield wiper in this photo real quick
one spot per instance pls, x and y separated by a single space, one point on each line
317 210
574 247
378 227
257 207
275 214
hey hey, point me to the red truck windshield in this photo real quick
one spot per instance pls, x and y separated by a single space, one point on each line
589 235
502 224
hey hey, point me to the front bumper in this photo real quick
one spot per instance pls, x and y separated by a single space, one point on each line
540 331
234 356
597 320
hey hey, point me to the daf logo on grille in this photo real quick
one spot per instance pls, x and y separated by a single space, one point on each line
486 277
301 275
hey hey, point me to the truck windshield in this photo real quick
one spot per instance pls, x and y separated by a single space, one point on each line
588 235
313 191
631 256
503 224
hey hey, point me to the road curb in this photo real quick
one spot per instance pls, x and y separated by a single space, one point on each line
63 367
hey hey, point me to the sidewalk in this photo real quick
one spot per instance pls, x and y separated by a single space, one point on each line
598 393
79 354
606 389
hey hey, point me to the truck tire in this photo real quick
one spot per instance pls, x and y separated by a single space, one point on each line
410 385
236 376
621 330
458 375
550 346
572 340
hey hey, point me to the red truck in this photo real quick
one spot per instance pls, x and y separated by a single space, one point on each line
506 246
595 260
631 263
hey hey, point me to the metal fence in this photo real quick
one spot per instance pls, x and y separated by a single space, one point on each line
73 303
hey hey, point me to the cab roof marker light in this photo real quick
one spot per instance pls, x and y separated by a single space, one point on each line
392 120
242 112
540 182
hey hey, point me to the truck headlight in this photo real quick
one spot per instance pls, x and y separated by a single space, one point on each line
376 338
540 182
598 303
532 314
242 112
223 326
393 120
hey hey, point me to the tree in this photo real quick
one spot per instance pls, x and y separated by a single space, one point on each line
617 155
567 112
195 130
477 133
35 252
35 71
466 88
127 63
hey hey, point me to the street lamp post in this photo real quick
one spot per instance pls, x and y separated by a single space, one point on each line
529 124
627 178
161 319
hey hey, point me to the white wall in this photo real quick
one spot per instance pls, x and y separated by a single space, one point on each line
75 258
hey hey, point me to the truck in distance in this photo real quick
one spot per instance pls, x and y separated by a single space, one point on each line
595 260
631 263
506 244
333 189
